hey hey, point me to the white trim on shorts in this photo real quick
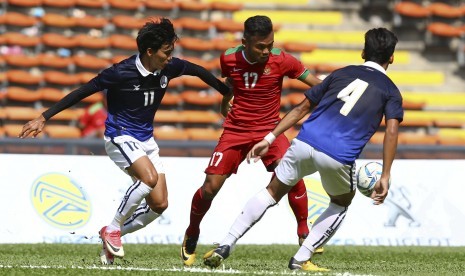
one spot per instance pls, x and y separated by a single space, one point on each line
301 160
125 150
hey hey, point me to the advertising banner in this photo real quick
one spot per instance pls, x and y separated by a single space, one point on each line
67 199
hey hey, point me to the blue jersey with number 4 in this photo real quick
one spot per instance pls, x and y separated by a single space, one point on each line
134 98
351 103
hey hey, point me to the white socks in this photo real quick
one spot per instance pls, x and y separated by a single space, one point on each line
322 230
133 197
252 212
142 217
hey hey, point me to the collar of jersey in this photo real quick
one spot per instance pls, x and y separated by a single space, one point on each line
375 65
144 72
243 55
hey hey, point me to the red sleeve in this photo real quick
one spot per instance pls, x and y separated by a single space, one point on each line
224 69
292 67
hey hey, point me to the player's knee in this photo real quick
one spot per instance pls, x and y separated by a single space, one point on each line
160 207
150 180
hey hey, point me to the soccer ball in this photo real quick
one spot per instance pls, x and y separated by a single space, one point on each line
367 176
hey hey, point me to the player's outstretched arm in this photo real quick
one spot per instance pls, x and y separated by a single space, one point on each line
291 118
311 80
193 69
389 152
35 126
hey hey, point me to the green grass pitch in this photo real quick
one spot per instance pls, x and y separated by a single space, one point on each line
156 259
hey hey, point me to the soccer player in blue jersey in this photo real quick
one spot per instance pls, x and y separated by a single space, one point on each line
134 89
348 107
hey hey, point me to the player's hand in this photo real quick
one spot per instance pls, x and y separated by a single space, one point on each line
381 191
258 150
33 127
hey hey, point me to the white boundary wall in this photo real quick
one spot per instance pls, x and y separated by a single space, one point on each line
67 199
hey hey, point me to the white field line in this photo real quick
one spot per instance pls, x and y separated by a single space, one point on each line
174 269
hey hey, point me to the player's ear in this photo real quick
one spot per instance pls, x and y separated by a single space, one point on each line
391 59
243 41
149 52
363 54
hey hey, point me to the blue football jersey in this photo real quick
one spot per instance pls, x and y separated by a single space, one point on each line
134 95
351 103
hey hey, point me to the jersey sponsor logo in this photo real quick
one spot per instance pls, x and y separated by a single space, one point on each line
267 70
163 81
60 202
136 87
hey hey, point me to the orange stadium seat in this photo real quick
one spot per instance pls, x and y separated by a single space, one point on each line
227 8
192 9
298 47
170 133
86 76
229 26
224 44
22 95
124 42
201 99
410 138
195 27
118 58
295 98
194 82
62 4
92 22
175 84
195 117
91 3
171 100
90 62
60 78
12 38
88 42
58 21
167 9
60 131
128 22
96 97
205 134
444 30
50 95
195 46
59 41
24 77
209 65
54 61
377 138
19 113
19 20
25 61
295 84
444 10
412 9
449 123
125 6
169 116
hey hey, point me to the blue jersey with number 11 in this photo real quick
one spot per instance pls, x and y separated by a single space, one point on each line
351 103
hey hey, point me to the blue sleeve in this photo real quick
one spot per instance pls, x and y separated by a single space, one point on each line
393 108
108 78
316 93
177 67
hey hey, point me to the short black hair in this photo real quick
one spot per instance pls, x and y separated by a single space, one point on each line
258 25
380 44
154 34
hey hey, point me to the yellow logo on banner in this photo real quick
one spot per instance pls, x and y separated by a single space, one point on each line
60 202
318 199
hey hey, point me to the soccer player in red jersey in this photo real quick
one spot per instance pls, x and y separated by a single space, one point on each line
255 70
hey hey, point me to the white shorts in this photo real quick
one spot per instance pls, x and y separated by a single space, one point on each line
301 160
125 150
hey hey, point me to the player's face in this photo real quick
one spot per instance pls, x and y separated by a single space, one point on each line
258 48
160 58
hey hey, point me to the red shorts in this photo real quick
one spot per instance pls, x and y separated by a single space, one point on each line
233 146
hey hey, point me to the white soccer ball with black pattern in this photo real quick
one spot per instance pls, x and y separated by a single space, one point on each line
367 176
